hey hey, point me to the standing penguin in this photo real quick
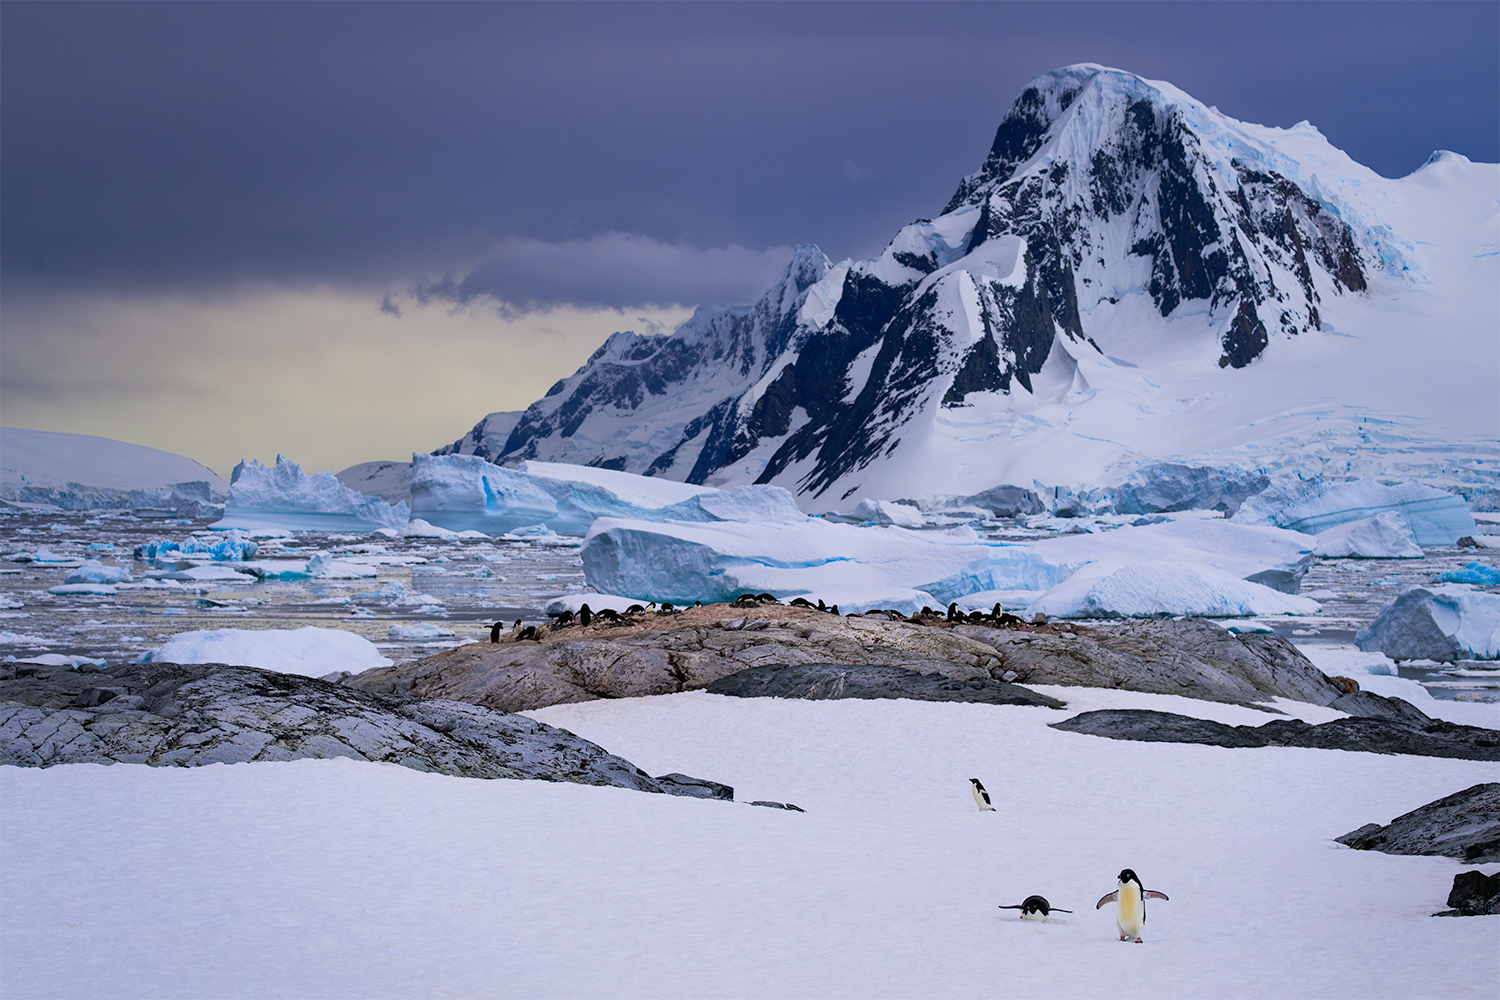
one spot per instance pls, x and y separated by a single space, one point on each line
1130 908
981 797
1035 908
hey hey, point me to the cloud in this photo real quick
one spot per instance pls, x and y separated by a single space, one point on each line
613 271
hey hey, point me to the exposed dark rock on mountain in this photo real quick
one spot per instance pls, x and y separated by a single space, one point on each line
1099 185
174 715
1464 825
1435 739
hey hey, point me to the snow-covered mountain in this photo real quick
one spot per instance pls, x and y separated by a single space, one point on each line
1130 276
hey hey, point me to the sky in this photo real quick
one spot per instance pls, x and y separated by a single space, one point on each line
346 232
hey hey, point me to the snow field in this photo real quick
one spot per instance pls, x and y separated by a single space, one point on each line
346 879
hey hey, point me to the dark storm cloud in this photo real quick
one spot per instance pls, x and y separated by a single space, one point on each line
614 270
169 147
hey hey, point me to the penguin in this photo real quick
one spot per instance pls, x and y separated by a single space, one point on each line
996 612
1035 908
585 616
953 612
1130 900
981 797
495 632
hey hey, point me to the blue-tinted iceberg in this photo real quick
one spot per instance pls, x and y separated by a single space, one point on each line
93 571
465 492
1384 536
234 547
1444 623
283 496
1314 506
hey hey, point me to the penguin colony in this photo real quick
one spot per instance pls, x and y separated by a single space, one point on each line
1129 896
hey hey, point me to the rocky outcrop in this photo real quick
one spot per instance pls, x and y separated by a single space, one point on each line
178 715
654 653
1435 739
1474 894
1464 825
831 681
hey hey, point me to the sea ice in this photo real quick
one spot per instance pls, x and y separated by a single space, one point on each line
418 631
1445 623
1313 506
310 651
283 496
1384 536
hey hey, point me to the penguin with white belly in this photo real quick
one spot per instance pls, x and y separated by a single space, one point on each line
1130 905
981 797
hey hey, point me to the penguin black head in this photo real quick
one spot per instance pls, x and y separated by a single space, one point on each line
1126 875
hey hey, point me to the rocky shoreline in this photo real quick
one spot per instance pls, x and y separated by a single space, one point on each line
662 652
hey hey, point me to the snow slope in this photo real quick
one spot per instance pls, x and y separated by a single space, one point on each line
345 879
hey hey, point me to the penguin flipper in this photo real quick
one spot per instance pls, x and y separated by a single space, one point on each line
1016 906
1111 898
1059 909
1153 894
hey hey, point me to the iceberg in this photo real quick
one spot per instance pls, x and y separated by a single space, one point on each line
683 562
465 492
1312 506
93 571
1445 623
877 567
1476 573
1154 588
284 497
235 547
310 651
1384 536
419 631
888 512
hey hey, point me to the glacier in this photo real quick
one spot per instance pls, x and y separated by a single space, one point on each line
84 472
284 497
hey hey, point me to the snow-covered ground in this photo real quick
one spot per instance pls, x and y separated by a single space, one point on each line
345 879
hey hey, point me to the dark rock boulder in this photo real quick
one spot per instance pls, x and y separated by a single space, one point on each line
177 715
1464 825
1474 894
830 681
1436 739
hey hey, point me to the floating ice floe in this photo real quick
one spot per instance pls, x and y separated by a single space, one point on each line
327 567
56 660
93 571
284 497
83 590
210 573
310 651
1384 536
418 528
1313 506
1445 623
